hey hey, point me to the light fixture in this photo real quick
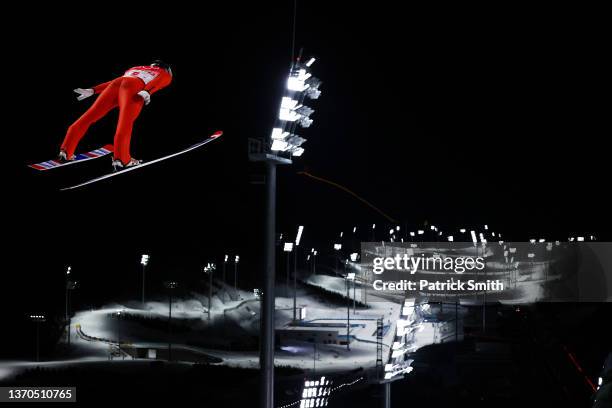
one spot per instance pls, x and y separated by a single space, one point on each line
144 260
299 235
288 247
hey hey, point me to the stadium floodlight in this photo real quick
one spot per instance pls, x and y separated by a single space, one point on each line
297 152
280 145
144 260
354 256
298 238
337 247
278 133
288 247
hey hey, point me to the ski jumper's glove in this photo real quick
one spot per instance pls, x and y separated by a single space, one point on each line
83 93
146 96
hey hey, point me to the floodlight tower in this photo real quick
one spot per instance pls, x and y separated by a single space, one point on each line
170 285
298 238
144 261
38 319
279 148
209 269
70 286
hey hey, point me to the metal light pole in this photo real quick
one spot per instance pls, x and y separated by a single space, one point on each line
144 260
287 248
348 313
236 260
297 245
209 269
171 285
38 319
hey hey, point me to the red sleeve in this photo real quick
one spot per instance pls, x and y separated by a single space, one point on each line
162 81
99 88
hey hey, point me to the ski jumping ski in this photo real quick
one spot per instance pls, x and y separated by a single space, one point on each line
212 137
79 158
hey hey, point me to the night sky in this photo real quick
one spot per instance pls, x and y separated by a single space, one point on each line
459 122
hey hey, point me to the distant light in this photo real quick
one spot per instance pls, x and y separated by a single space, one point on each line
391 231
341 234
486 227
580 239
354 229
420 232
533 241
474 240
397 228
373 226
310 62
288 247
236 259
337 247
144 260
68 270
412 234
450 238
226 256
530 255
299 235
462 230
308 257
350 276
354 256
315 253
542 240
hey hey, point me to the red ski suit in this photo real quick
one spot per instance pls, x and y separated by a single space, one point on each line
120 92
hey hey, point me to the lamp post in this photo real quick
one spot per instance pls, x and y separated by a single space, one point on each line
287 248
209 269
236 260
38 319
170 285
70 285
298 238
349 277
144 260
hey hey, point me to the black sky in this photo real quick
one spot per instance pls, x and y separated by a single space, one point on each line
499 119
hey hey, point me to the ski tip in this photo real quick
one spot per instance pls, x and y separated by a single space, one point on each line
216 134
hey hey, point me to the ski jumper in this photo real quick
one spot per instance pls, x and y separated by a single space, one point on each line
121 92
